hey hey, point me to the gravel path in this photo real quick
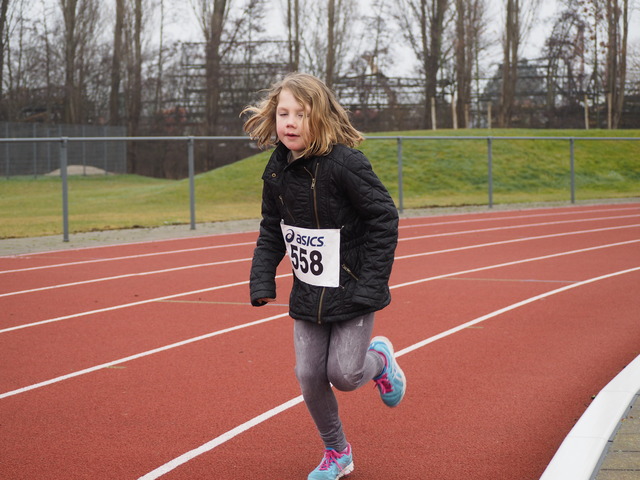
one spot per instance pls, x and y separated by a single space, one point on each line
19 246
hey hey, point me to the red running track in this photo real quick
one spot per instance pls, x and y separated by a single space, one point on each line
146 360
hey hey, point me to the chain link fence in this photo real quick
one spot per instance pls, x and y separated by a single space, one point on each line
43 158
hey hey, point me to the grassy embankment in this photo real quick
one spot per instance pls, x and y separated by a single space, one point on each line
436 173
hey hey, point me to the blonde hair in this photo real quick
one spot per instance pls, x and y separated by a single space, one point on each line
328 122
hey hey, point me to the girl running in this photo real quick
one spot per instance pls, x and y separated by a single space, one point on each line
323 205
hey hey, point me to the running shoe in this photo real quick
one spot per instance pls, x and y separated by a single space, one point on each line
334 465
391 382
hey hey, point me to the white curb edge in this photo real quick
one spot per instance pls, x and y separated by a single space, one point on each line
581 451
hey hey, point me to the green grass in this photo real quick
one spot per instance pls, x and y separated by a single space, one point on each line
435 173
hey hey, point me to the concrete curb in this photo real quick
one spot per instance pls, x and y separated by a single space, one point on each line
583 449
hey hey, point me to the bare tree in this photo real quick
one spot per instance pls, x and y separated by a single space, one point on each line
114 101
3 23
470 27
70 49
293 33
80 18
377 56
160 63
135 68
511 43
212 62
133 89
617 12
423 22
331 47
224 29
221 32
322 56
518 22
14 33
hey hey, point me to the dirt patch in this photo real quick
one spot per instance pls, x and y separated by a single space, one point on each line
80 170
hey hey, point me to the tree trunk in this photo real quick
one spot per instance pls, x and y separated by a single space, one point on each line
436 17
616 57
135 108
464 58
70 108
114 97
213 74
159 80
331 47
293 33
510 63
3 22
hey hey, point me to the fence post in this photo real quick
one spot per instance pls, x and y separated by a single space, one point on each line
400 194
192 190
35 152
573 170
65 189
6 151
490 169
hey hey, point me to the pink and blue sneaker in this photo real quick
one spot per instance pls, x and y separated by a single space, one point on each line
334 465
391 383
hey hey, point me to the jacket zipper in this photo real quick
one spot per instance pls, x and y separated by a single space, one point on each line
317 217
313 191
349 271
286 207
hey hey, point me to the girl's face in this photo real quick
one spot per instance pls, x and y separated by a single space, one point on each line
291 123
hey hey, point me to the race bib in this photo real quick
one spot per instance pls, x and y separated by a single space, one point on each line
314 254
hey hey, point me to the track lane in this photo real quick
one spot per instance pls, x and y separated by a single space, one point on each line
137 333
179 396
135 287
212 242
467 392
184 405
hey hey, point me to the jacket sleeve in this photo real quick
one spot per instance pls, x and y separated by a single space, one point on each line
377 210
268 253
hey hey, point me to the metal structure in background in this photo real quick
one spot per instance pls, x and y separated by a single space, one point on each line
65 142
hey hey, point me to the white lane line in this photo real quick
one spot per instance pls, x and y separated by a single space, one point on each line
140 355
176 295
515 240
123 276
129 244
512 307
420 237
127 305
515 262
435 252
141 302
225 437
513 227
512 217
423 280
127 257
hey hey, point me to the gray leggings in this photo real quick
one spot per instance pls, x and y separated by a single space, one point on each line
336 353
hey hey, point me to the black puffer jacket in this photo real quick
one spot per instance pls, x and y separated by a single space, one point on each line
339 190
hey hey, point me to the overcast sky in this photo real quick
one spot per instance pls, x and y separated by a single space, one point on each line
275 24
181 24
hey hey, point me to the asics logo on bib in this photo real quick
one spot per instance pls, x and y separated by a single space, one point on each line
314 254
304 240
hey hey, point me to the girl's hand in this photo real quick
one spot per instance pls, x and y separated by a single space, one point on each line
264 301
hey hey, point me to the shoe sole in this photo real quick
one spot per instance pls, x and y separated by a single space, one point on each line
388 343
346 471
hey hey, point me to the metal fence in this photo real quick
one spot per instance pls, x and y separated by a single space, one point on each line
66 143
42 158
